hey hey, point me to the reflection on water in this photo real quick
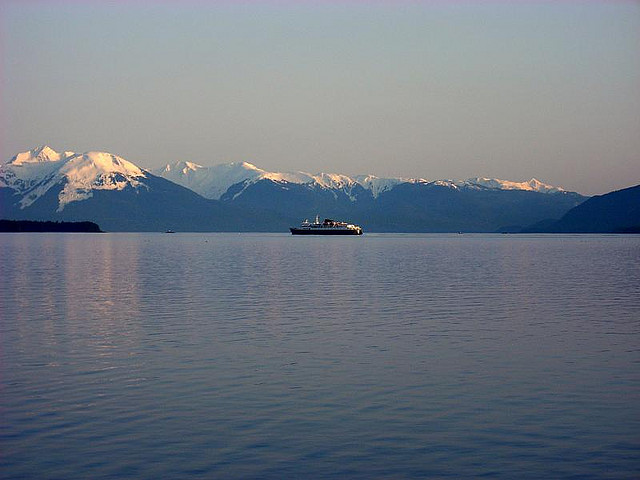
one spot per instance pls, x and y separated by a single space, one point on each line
272 356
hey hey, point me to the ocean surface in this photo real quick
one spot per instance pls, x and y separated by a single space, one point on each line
269 356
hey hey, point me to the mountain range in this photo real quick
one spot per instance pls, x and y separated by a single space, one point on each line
213 182
42 184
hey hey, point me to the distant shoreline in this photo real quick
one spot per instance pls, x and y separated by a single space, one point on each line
37 226
32 226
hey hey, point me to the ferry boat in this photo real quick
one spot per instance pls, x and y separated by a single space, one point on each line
327 227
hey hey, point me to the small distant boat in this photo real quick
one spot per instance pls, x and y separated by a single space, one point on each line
327 227
169 231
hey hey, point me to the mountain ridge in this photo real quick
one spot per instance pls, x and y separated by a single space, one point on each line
613 212
214 181
42 184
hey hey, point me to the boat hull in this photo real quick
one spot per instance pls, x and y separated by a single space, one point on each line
319 231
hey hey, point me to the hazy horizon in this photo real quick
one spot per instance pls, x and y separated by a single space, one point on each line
429 89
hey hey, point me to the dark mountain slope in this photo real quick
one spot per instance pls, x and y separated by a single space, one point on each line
408 207
615 212
157 205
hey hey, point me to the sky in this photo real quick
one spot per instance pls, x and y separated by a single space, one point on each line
429 89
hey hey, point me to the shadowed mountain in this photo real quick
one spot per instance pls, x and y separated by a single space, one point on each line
408 206
614 212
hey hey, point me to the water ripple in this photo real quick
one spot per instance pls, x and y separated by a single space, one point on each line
269 356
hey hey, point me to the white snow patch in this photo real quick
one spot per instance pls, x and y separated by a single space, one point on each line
210 182
41 154
96 171
213 182
290 177
35 172
532 185
378 185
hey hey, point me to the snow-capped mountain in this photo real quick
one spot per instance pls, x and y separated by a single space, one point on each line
213 182
210 182
384 204
34 173
532 185
42 184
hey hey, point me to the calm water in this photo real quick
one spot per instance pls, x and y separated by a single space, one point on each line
271 356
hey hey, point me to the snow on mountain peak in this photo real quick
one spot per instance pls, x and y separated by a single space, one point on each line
180 167
107 162
247 166
188 166
532 185
192 166
210 182
96 171
213 182
333 180
35 172
539 186
40 154
378 185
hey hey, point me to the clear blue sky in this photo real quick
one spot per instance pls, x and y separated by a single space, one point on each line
433 89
